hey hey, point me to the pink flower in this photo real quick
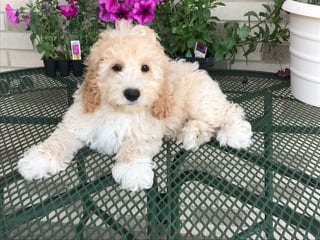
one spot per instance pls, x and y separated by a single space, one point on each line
27 19
143 11
105 15
140 10
108 10
124 11
109 5
130 2
12 14
68 10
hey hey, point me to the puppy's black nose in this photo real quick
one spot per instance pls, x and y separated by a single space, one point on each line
131 94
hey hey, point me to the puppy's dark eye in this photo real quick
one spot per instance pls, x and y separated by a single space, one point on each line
117 67
145 68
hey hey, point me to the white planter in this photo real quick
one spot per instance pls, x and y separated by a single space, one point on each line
304 51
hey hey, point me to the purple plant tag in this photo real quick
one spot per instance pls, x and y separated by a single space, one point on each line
76 50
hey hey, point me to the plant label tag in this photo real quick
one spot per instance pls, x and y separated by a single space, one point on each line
75 50
200 50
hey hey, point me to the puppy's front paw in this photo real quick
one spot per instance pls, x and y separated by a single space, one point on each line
236 137
134 176
36 165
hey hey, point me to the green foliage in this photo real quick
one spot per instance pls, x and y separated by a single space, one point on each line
180 24
43 26
51 31
263 27
84 26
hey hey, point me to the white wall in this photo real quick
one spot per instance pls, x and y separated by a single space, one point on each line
16 50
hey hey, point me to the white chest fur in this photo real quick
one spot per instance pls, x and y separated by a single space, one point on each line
107 133
106 130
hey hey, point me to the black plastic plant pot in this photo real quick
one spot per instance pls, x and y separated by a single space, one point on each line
63 66
77 67
50 67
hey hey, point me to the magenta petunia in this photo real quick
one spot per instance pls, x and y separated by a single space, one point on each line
140 10
68 10
12 14
108 10
109 5
129 2
143 11
105 15
124 11
27 19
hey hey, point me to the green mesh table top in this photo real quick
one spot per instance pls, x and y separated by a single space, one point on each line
270 191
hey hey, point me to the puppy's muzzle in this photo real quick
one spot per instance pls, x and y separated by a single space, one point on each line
131 94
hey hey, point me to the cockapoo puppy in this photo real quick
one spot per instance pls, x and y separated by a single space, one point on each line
132 97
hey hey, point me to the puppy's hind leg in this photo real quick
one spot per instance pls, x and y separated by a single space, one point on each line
50 156
235 131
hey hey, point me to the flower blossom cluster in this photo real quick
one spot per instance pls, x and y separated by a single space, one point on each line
14 16
70 9
141 11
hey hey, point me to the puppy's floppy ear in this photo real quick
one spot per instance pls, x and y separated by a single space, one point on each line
162 106
90 92
89 89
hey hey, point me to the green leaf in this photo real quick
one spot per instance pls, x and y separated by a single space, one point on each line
191 43
39 48
262 14
251 14
33 37
267 7
208 38
244 31
189 54
175 30
219 55
229 43
206 13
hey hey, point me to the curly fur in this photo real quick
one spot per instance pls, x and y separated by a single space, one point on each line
175 100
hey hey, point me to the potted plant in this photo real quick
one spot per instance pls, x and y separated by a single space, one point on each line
80 28
53 26
182 23
305 49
